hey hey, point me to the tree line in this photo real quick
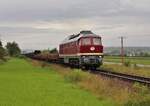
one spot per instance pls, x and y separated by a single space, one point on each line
11 49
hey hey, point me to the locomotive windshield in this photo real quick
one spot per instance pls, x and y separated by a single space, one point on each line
97 41
90 41
86 41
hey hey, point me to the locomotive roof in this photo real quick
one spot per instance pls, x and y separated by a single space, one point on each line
73 37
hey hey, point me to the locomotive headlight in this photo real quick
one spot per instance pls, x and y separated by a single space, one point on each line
100 56
92 48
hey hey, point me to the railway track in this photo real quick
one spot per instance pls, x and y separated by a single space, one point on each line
126 77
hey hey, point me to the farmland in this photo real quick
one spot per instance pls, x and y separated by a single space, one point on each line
132 60
132 70
132 63
23 84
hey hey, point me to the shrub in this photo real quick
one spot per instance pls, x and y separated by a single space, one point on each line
127 63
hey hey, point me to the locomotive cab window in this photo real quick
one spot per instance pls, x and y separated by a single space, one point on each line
86 41
97 41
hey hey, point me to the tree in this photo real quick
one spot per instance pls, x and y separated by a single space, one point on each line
1 44
13 49
54 50
2 51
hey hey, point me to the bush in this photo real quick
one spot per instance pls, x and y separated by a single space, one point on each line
127 63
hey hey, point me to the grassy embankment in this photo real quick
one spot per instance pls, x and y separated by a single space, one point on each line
23 84
122 93
132 60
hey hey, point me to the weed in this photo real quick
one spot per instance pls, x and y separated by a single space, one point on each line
138 103
141 89
75 76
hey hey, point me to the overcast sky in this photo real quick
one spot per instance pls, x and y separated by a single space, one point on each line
42 24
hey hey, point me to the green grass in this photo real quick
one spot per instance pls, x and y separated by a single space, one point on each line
22 84
133 60
121 92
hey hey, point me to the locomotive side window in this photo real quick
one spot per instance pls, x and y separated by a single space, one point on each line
97 41
86 41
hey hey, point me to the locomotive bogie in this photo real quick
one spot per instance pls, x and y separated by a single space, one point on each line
91 60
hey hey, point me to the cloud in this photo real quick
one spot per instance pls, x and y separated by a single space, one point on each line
47 22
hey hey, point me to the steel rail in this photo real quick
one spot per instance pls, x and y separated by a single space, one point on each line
131 78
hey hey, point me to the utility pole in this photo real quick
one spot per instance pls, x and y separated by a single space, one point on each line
122 49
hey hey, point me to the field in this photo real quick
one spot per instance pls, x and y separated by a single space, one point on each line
33 83
131 65
132 60
24 84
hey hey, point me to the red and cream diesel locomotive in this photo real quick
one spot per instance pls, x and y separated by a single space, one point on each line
83 50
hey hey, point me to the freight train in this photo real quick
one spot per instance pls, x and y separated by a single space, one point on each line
84 50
